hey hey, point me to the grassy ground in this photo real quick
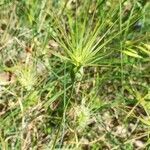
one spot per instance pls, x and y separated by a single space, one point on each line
74 74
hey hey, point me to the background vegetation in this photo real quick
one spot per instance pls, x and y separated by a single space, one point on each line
74 74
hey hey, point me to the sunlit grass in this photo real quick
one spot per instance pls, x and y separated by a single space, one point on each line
74 74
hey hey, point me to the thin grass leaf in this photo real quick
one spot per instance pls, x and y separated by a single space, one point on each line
132 53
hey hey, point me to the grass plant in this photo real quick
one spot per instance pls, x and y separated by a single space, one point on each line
74 74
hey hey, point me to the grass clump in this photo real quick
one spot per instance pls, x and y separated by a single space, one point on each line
74 74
